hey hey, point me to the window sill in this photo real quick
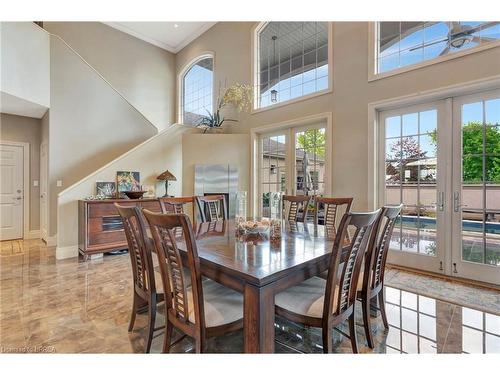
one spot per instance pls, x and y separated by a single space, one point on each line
484 47
292 101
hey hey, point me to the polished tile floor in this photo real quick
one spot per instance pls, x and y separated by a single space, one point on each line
83 307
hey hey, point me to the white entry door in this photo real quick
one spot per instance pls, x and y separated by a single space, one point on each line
11 192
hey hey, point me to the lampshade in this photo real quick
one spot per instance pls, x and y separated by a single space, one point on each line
166 176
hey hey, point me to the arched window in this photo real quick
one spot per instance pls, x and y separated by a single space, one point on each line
197 90
292 61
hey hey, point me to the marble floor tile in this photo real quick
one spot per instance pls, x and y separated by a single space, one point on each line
71 306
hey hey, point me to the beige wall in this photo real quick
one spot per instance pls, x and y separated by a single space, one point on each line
231 43
150 158
143 73
25 62
231 149
26 129
90 124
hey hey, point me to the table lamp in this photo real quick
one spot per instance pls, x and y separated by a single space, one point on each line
166 176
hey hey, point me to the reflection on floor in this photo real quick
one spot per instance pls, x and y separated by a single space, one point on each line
74 307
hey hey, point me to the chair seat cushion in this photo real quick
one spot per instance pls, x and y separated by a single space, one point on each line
222 305
306 298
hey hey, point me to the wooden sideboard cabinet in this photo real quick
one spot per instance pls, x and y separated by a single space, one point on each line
100 227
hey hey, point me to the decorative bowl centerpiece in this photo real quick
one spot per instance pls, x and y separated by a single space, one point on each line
254 227
134 194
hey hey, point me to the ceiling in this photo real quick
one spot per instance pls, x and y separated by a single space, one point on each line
171 36
291 39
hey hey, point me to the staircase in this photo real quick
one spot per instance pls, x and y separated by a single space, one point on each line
93 131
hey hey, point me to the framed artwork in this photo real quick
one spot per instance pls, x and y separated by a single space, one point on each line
128 181
106 189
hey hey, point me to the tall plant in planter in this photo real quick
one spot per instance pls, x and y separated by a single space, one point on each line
239 96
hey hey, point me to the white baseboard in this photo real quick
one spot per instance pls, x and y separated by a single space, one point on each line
32 234
66 252
51 241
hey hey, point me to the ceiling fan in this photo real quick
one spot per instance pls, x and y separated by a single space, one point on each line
459 35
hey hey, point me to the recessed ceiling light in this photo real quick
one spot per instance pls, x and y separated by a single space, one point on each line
176 25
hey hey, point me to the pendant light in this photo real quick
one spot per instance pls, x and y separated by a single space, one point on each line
274 93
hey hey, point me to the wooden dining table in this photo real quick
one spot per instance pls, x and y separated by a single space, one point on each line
260 268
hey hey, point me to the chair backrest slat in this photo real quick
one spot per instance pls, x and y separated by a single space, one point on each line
295 204
139 251
346 280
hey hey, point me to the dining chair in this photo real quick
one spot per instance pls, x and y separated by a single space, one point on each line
212 207
295 204
176 205
203 309
327 303
145 292
371 279
331 208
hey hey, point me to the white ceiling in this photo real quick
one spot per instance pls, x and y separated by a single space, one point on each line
171 36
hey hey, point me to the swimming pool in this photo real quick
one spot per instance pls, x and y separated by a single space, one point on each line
467 225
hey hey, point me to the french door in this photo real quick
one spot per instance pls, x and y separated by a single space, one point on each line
442 161
476 187
413 173
273 170
292 161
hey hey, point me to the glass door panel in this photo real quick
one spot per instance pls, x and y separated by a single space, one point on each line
476 196
413 176
310 163
310 156
273 175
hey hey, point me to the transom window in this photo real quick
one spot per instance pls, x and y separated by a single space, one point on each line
292 61
197 91
401 44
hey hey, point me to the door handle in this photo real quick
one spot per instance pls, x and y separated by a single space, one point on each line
456 202
17 198
440 203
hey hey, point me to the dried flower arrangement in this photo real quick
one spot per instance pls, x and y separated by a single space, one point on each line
238 95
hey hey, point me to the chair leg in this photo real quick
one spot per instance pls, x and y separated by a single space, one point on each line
381 302
352 333
327 340
198 345
151 323
168 337
133 314
365 303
